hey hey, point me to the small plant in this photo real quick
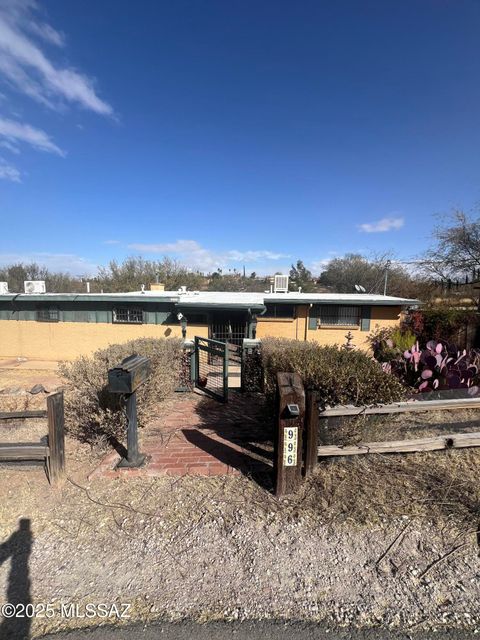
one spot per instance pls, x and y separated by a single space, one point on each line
389 343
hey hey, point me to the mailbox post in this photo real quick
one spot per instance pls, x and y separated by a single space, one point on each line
125 379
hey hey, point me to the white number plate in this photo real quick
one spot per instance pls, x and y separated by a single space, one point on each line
290 442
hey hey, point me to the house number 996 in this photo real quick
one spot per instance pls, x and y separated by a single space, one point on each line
290 441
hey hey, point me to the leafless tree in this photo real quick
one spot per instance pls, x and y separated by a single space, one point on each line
455 253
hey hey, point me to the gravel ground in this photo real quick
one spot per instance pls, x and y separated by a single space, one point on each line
224 549
215 549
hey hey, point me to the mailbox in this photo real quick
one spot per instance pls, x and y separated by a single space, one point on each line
127 376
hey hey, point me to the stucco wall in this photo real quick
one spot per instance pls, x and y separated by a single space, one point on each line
68 340
380 317
295 329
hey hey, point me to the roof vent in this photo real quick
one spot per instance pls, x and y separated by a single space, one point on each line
3 287
280 284
34 286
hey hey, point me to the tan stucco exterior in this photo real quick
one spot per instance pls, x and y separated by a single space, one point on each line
293 328
68 340
382 317
298 328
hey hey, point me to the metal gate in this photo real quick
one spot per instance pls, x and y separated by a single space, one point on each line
227 329
211 367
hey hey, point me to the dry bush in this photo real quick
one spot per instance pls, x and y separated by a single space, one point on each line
93 413
365 489
341 376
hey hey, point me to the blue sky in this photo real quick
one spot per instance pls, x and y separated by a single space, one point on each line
232 133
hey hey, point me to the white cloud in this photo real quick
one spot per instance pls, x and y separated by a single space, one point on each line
111 242
71 263
9 172
47 33
385 224
9 146
28 68
197 257
15 131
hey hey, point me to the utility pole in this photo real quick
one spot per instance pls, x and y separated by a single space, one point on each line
387 267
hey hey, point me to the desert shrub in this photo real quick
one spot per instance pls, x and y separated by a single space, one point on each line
341 376
92 412
389 343
439 323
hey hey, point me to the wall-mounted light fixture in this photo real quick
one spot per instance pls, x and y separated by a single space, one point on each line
254 326
183 323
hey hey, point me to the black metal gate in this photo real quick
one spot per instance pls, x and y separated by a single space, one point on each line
211 367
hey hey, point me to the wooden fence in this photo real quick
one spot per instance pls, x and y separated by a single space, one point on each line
52 453
298 421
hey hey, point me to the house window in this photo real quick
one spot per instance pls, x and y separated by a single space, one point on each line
48 314
338 315
128 315
279 311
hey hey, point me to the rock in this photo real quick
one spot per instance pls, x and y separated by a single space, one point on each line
13 391
38 388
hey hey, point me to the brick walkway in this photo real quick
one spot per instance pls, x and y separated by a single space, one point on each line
200 436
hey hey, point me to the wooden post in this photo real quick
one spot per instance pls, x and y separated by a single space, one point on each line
56 436
311 431
290 415
134 457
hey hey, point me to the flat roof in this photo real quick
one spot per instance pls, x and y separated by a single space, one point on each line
238 299
338 298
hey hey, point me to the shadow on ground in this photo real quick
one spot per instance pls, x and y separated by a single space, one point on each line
17 549
246 426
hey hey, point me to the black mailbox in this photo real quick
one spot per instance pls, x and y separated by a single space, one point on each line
127 376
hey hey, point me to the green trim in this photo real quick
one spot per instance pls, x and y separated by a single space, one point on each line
366 314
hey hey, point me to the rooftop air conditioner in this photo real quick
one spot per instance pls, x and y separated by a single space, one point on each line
280 284
3 287
34 286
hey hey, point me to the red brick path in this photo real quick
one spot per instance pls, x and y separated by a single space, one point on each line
200 436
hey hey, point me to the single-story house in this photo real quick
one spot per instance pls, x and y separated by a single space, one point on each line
57 326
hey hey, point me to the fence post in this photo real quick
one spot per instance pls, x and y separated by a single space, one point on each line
290 415
311 431
56 436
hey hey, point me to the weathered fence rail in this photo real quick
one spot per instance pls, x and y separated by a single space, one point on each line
416 406
435 443
298 418
52 453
